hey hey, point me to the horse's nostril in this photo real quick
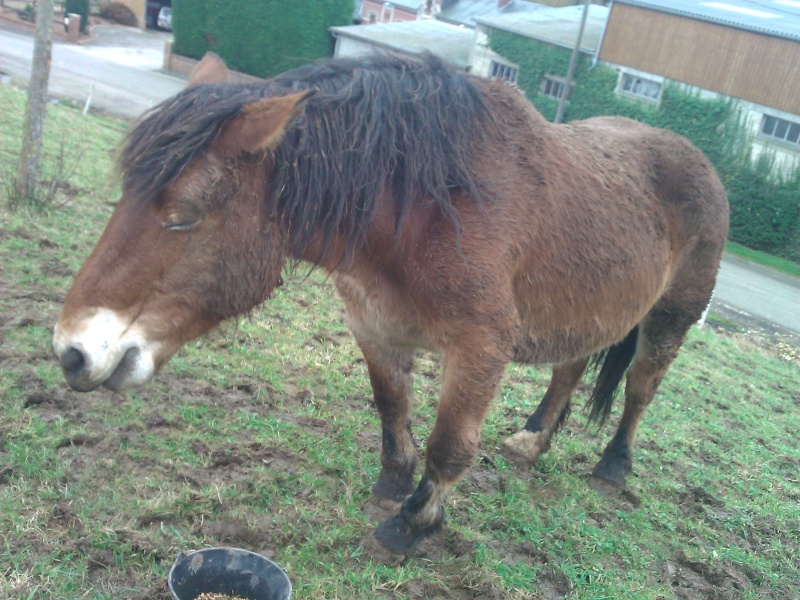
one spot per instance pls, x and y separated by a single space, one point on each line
72 361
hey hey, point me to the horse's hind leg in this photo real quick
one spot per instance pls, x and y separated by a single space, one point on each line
660 337
390 376
525 446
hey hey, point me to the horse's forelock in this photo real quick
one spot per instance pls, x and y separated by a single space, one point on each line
176 132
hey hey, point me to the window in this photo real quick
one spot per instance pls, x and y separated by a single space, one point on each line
554 87
372 17
641 87
502 71
781 129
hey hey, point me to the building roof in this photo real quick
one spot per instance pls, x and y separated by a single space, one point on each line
464 12
412 5
557 26
446 41
780 18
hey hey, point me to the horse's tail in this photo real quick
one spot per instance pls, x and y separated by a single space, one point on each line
615 360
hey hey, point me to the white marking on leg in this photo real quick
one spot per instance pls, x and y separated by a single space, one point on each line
525 446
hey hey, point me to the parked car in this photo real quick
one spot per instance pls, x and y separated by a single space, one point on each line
165 18
152 11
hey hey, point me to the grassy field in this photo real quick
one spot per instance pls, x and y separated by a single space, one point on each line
774 262
263 436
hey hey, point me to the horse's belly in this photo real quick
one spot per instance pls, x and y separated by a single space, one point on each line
574 319
380 314
562 345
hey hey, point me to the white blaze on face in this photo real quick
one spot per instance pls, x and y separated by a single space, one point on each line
102 347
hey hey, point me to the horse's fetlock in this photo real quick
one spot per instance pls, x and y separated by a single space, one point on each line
446 468
420 498
534 424
395 484
524 447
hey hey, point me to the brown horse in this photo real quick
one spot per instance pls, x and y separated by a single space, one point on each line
451 216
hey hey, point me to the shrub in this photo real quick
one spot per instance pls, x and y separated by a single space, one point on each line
118 13
79 7
261 38
765 207
52 188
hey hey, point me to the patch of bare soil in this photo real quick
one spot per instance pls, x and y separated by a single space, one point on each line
692 579
751 331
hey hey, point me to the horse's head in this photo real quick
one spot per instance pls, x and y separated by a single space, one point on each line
175 261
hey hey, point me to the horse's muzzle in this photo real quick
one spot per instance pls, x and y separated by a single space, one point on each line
101 350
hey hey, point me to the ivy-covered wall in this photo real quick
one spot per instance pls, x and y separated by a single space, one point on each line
536 60
765 203
261 38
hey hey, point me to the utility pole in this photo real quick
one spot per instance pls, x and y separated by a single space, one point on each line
37 100
573 59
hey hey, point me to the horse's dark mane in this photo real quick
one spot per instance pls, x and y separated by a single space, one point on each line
413 125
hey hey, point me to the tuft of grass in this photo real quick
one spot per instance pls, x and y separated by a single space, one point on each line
264 436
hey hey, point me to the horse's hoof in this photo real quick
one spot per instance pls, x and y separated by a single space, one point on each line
400 536
380 553
610 472
605 487
524 448
380 509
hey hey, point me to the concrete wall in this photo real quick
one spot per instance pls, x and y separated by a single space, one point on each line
347 47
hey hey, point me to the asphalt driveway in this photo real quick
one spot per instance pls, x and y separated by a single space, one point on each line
120 68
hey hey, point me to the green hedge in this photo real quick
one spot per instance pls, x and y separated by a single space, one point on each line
765 203
79 7
261 38
188 28
765 208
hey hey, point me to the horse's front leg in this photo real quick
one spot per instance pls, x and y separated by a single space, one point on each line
390 376
469 382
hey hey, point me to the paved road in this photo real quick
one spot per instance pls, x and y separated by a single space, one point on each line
759 292
124 66
119 68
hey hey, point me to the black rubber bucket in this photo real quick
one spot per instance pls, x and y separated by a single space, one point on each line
228 571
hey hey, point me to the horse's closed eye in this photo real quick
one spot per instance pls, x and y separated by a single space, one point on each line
185 226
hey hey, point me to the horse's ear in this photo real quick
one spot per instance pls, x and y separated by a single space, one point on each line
211 69
260 125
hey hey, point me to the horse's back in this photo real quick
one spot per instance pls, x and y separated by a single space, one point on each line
607 210
677 170
661 166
